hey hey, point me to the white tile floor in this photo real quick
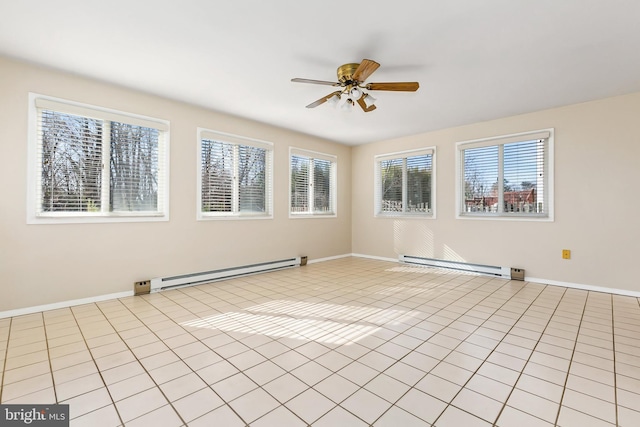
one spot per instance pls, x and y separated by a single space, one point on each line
349 342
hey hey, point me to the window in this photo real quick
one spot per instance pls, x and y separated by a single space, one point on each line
235 176
313 183
508 177
405 184
93 164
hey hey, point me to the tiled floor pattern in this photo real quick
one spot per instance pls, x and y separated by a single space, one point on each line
348 342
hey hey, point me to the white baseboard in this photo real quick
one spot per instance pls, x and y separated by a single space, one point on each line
379 258
329 258
614 291
62 304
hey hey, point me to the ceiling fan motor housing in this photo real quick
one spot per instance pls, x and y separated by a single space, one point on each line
346 71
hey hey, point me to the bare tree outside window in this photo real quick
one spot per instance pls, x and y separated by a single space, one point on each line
71 179
252 179
217 176
133 181
233 178
73 151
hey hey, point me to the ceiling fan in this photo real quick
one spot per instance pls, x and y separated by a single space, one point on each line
351 79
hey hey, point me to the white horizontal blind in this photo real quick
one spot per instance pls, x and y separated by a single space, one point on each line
252 179
404 183
391 185
313 182
70 160
235 178
97 167
134 163
506 178
300 184
322 191
99 113
217 172
524 177
481 179
419 171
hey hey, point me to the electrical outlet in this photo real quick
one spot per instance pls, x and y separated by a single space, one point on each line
566 254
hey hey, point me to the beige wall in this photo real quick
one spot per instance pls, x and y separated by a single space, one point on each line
597 147
43 264
597 173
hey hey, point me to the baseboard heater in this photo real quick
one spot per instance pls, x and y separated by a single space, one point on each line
163 283
491 270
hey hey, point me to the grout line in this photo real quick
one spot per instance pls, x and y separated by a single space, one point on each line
6 358
46 341
96 365
521 372
504 404
355 321
573 352
615 375
462 341
453 289
180 358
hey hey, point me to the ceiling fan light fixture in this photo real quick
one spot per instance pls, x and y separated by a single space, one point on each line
369 100
355 93
348 105
333 100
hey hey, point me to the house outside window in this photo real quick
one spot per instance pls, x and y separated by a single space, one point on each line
508 177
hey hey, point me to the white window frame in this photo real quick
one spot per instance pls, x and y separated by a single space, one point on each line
235 141
377 190
34 178
547 178
333 178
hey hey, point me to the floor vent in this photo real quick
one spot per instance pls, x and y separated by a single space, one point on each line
163 283
491 270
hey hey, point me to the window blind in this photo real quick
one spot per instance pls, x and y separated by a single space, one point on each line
70 158
391 174
96 166
252 179
322 186
313 182
508 177
217 176
404 182
300 183
235 178
419 170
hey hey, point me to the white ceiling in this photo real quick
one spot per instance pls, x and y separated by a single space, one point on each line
474 60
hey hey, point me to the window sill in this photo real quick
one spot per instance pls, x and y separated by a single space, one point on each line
231 217
95 219
505 217
311 215
406 215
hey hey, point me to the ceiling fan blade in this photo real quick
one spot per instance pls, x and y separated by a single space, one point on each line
316 82
364 107
365 69
397 86
323 99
